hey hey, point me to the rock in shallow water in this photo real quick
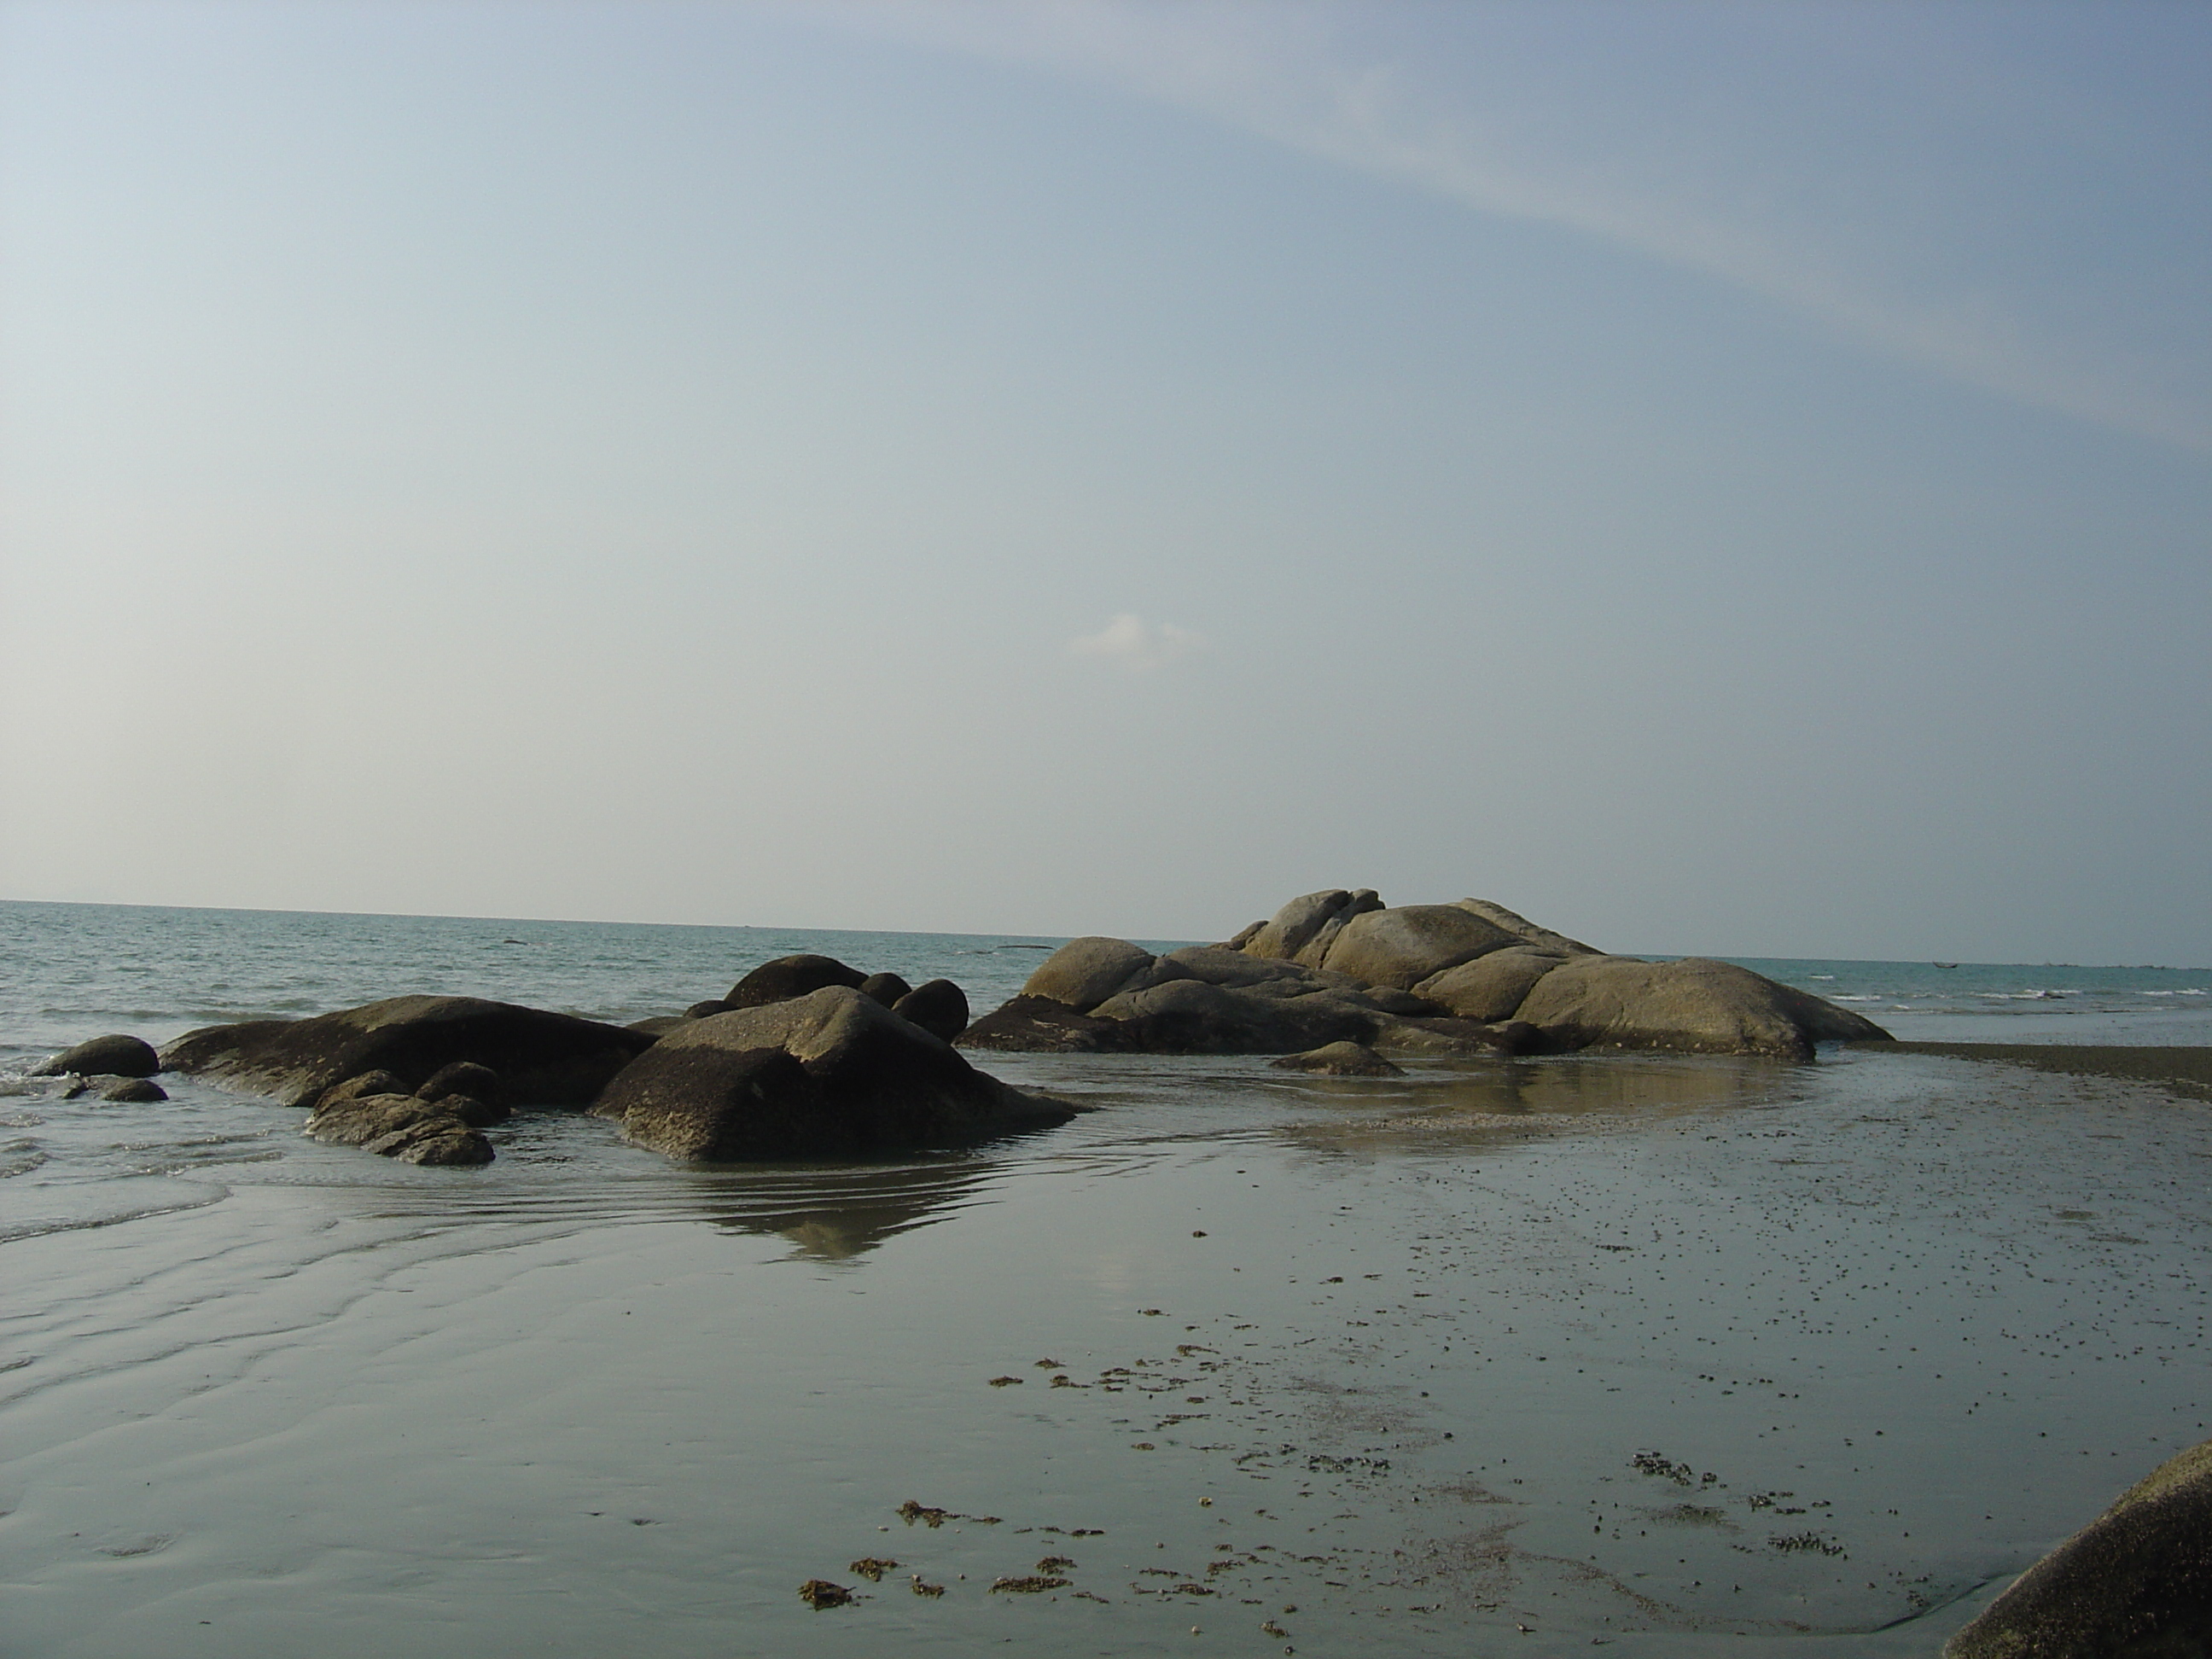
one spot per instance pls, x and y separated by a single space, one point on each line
1340 1060
408 1128
833 1073
118 1055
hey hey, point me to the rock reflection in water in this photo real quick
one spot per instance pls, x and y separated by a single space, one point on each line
1467 1099
834 1214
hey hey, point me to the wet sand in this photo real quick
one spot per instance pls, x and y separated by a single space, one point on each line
1663 1355
2187 1071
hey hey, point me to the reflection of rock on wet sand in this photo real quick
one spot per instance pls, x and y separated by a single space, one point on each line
837 1214
1469 1099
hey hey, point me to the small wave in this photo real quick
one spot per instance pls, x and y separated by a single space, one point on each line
1820 976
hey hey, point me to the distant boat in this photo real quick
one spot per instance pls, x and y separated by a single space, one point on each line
1946 964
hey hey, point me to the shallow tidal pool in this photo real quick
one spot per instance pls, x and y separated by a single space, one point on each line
1671 1356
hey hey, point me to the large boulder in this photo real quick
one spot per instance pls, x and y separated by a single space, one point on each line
1492 986
1694 1005
541 1059
2135 1581
1403 946
787 977
104 1056
833 1073
1083 972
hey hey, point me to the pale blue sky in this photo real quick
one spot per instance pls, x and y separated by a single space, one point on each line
1713 477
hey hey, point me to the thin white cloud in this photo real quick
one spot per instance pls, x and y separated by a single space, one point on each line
1130 642
1282 71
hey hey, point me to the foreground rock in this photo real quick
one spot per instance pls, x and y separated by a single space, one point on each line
2136 1581
831 1073
407 1127
541 1059
104 1056
1340 966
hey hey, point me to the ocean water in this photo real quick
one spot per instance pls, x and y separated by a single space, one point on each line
1666 1354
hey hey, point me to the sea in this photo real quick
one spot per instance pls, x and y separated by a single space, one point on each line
1664 1353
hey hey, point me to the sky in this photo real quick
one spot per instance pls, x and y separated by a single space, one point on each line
1727 478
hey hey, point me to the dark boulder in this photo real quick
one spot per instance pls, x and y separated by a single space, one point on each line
657 1025
787 977
542 1059
938 1005
886 989
404 1127
104 1056
463 1077
702 1009
1340 1060
134 1092
833 1073
2134 1583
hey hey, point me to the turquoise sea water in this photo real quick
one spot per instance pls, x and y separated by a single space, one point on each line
1672 1355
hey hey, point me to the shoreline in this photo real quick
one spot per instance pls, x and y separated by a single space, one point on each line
2187 1071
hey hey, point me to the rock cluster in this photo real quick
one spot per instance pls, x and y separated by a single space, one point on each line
1340 966
804 1057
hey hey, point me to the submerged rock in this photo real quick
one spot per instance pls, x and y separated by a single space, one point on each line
118 1055
1340 966
134 1092
2136 1581
542 1059
833 1073
1340 1060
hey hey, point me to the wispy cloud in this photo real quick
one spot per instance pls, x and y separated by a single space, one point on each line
1290 73
1130 642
